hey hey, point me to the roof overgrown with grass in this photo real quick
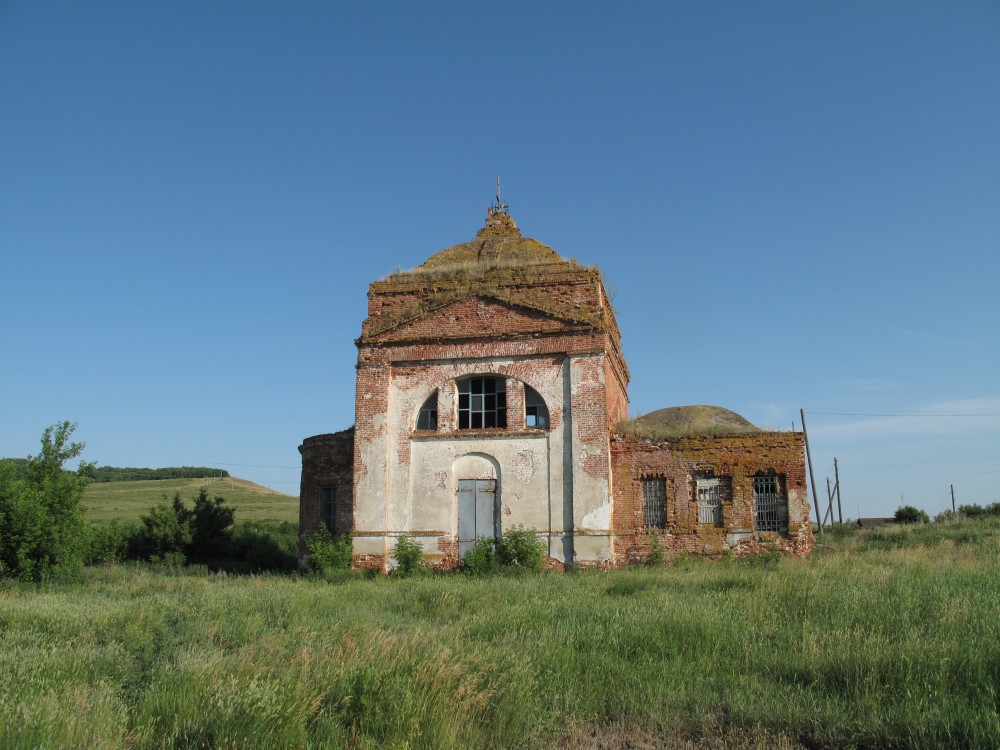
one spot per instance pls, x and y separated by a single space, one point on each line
500 264
685 421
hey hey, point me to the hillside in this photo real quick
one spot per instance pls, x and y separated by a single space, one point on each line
126 501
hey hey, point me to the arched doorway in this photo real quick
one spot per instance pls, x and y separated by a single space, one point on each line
477 480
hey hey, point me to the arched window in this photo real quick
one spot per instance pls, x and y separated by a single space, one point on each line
536 414
482 403
428 417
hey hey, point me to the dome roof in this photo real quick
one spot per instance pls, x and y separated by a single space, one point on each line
683 421
499 242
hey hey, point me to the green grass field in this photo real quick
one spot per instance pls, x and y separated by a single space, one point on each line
883 639
127 501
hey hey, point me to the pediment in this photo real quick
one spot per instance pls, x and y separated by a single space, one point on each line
478 315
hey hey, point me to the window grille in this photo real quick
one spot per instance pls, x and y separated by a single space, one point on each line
428 417
711 493
654 503
771 507
482 403
328 508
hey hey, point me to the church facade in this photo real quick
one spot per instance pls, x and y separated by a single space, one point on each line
492 393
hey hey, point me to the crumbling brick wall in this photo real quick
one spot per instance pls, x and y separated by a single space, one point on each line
679 462
327 461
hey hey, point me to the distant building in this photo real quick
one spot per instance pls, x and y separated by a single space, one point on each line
492 392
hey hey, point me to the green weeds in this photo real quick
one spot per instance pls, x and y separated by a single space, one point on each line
868 644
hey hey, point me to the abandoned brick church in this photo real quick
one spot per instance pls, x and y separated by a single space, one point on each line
492 392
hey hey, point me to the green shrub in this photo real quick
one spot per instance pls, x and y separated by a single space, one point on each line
656 555
978 511
910 514
261 546
326 555
520 547
201 534
482 559
110 542
165 530
408 554
210 527
42 528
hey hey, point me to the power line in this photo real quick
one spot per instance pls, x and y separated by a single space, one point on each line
917 479
923 463
865 414
255 466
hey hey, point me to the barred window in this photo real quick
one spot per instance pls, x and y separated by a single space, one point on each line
482 402
654 503
428 417
328 508
712 491
770 503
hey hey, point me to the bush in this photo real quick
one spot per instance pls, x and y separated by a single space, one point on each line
326 555
977 511
42 529
520 547
656 555
110 542
200 534
482 559
408 554
265 546
165 530
909 514
210 527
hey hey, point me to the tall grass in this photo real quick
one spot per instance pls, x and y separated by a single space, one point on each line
886 639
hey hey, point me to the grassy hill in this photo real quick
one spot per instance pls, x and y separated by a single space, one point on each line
126 501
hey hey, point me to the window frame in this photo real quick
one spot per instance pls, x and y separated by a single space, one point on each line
430 411
328 508
711 493
654 502
481 402
536 408
770 503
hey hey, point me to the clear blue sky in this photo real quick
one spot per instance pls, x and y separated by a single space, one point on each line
797 205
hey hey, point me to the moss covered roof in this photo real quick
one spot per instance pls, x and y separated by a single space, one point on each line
687 421
499 249
499 263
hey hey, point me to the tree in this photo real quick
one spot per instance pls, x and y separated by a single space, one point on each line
175 533
910 514
42 527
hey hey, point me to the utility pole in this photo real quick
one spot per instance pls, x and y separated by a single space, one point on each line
829 501
952 498
836 476
812 477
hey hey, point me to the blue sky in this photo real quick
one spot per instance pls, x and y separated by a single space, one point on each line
794 204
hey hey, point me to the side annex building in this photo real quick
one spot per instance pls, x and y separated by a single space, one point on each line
492 392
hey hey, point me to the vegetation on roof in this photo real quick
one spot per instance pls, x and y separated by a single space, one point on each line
685 421
436 299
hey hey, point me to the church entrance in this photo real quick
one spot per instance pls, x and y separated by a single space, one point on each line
478 512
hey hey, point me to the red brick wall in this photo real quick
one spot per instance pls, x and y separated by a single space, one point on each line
327 461
738 457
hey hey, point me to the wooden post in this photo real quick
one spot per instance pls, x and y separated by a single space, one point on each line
836 476
952 498
812 477
829 502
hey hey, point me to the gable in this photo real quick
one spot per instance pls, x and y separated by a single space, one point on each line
475 316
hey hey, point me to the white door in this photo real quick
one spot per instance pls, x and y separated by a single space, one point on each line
478 512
